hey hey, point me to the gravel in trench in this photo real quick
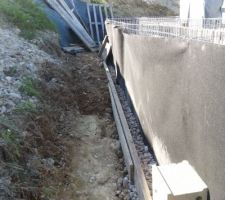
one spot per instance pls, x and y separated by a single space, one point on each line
144 150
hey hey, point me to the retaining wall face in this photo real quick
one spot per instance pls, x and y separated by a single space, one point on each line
177 89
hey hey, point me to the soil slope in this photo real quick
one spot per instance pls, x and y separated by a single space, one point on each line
57 135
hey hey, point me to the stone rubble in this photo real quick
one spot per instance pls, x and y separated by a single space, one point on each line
144 151
125 190
20 59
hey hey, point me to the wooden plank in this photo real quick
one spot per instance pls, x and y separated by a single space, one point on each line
139 177
74 25
102 48
106 12
71 13
73 49
73 4
111 10
106 51
123 142
102 21
89 18
96 25
99 23
66 8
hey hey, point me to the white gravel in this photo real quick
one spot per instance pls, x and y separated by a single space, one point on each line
18 58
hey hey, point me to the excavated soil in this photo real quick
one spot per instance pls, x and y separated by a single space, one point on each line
77 93
66 147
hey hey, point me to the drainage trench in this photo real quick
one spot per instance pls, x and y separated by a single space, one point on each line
145 153
144 150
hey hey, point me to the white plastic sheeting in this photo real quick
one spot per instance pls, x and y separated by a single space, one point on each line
196 9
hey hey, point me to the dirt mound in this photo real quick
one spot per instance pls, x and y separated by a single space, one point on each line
79 82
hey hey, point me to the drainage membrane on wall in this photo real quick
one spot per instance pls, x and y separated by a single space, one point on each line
177 89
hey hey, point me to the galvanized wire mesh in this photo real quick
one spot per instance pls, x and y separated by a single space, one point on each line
206 30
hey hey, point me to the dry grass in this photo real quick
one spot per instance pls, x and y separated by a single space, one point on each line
25 15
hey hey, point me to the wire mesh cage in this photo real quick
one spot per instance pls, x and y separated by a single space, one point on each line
211 30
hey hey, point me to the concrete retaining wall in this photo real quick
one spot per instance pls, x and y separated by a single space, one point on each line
178 91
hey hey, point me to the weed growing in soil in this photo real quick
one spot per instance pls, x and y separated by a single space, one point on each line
26 16
48 192
12 145
5 122
98 1
29 87
11 71
26 107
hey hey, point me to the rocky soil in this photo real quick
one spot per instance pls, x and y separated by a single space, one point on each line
145 8
18 59
172 4
57 135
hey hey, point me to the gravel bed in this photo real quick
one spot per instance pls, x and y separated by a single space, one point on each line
144 151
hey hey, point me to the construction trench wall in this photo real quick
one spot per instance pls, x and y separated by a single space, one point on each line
177 90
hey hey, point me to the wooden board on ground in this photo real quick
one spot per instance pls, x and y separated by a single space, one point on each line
123 142
105 41
105 51
73 49
96 24
139 177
